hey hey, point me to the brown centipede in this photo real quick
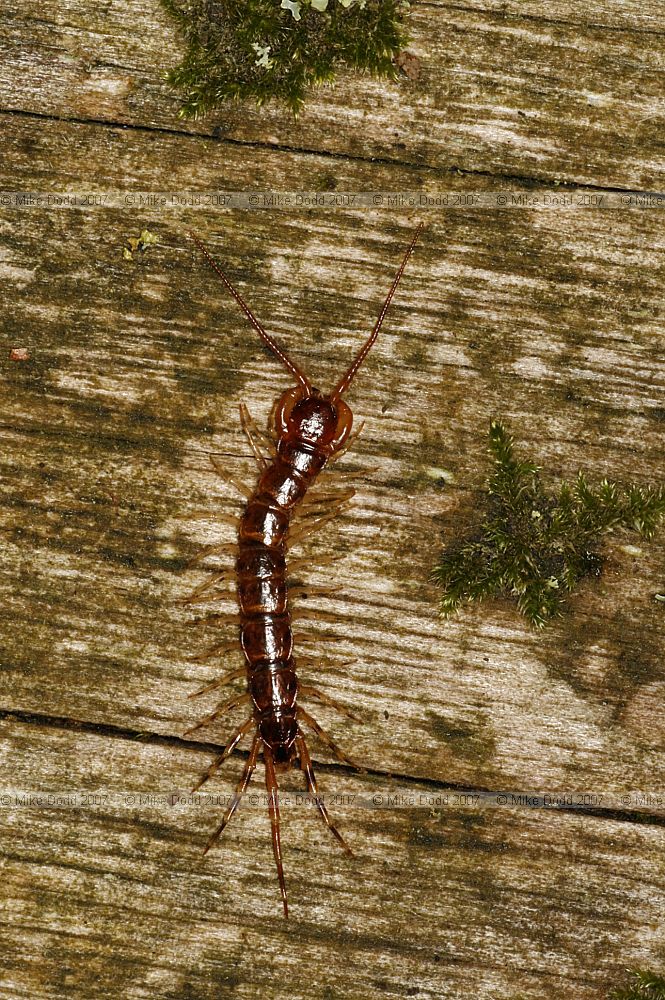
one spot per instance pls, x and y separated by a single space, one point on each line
310 430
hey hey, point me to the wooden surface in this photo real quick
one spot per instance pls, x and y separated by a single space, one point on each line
550 319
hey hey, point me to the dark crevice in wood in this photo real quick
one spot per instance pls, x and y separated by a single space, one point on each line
158 739
104 729
526 181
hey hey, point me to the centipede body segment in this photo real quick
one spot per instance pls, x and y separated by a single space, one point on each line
310 430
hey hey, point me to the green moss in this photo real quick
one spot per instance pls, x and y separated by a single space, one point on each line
646 986
256 49
535 546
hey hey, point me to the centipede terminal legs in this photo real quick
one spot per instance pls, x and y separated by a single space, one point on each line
241 788
312 787
273 809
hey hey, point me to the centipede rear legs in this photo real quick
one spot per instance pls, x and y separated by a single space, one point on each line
306 765
241 788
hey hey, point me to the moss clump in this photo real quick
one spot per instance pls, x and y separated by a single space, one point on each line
257 49
535 546
647 986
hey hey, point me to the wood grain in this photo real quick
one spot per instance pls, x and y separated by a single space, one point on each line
112 437
438 902
550 319
499 93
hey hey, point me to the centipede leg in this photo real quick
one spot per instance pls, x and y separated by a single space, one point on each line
224 618
221 471
325 499
307 614
306 765
308 515
254 435
352 475
240 699
226 548
328 740
328 559
316 636
352 438
221 649
218 595
302 590
232 675
197 594
316 515
314 663
273 810
308 528
330 510
223 518
228 749
241 788
265 438
313 692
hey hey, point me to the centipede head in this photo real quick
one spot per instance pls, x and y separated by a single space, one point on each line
305 414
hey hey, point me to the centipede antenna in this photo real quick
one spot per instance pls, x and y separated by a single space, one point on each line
262 332
348 377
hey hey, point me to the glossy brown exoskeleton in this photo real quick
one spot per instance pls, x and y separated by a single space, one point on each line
310 429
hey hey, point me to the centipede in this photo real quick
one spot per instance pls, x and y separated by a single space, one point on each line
308 431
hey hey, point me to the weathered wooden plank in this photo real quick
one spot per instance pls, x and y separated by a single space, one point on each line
550 319
499 92
629 14
115 899
136 373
